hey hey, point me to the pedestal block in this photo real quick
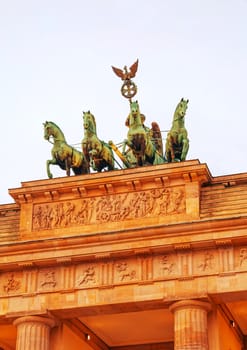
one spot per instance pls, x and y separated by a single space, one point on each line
33 332
190 325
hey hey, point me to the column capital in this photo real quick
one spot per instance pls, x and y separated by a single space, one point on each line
190 303
38 319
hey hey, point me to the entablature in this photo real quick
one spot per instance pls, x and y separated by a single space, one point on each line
111 201
193 236
131 276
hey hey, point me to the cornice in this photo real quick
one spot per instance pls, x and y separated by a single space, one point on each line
110 182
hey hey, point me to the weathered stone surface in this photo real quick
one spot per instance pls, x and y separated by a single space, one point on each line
121 245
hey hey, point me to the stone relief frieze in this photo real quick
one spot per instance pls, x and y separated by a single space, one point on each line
109 208
206 262
167 266
47 279
87 277
125 272
181 264
12 284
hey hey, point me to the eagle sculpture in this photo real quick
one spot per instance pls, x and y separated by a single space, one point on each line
126 74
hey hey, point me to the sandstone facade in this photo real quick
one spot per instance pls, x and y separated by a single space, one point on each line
148 258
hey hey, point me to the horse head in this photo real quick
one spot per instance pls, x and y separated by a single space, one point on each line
51 129
181 108
89 122
135 118
48 130
134 108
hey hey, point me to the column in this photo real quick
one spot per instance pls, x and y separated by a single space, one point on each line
190 325
33 332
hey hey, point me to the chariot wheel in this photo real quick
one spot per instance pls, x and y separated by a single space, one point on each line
129 89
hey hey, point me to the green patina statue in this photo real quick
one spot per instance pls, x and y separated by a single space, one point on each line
63 155
98 153
144 144
177 142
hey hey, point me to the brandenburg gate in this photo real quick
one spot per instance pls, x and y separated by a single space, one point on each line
151 255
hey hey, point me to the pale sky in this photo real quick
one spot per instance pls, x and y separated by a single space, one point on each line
56 59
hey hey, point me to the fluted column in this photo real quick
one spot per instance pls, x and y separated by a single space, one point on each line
190 325
33 332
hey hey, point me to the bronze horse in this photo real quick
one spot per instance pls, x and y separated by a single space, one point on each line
98 153
63 155
143 142
177 142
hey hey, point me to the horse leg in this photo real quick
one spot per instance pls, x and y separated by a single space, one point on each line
170 155
185 149
110 163
143 149
108 156
68 165
48 163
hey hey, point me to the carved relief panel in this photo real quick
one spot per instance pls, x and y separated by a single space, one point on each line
165 266
12 283
205 262
48 279
109 208
126 271
86 276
